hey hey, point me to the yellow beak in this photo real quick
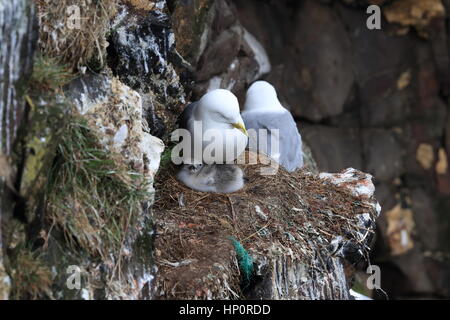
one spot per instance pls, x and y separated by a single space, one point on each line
240 126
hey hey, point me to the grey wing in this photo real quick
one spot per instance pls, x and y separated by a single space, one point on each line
251 122
183 118
290 142
183 121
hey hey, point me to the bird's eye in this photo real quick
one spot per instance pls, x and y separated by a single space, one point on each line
219 116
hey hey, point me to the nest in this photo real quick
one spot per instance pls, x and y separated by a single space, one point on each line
297 211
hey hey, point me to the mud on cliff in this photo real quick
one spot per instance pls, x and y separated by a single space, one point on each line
87 184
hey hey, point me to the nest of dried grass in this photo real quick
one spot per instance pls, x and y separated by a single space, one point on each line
76 42
194 253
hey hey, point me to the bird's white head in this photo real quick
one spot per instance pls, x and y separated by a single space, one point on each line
261 95
221 106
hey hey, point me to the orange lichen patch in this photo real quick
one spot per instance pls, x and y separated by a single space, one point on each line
147 5
425 155
400 228
296 212
442 163
404 80
414 13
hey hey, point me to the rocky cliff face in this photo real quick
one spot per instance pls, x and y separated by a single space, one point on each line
87 189
375 100
18 37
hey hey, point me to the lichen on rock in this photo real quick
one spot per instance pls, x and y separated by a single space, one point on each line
415 13
111 191
115 112
17 37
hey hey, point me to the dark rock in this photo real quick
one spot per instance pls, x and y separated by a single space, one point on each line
141 51
381 102
447 137
191 20
232 59
18 38
91 87
225 17
385 193
333 148
156 124
426 222
320 74
412 265
382 154
139 48
293 48
219 54
271 23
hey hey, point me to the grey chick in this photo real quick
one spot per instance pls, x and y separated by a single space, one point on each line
216 178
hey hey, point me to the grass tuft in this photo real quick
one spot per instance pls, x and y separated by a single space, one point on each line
94 197
49 74
32 279
68 24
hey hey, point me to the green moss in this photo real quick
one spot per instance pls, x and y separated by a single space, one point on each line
89 200
49 74
166 159
96 64
46 118
361 288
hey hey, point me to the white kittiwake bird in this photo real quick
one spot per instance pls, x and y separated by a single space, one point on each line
263 110
217 110
217 178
